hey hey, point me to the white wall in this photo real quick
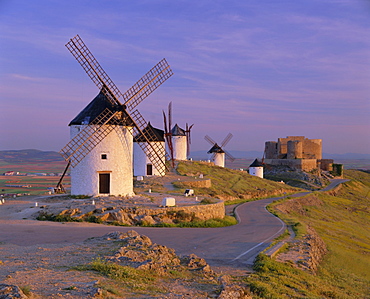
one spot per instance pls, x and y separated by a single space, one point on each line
118 146
179 147
219 159
256 171
141 160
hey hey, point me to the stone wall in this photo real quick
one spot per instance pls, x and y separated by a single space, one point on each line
326 164
271 150
308 148
133 216
301 164
294 151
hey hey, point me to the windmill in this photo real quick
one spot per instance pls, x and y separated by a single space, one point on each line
256 168
178 140
100 149
217 151
142 164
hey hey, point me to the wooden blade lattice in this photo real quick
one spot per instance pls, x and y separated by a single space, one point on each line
89 137
226 140
229 156
151 149
93 69
147 84
210 140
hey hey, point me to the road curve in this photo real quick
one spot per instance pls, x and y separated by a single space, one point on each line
234 246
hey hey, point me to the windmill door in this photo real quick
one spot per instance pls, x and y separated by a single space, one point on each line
104 183
149 169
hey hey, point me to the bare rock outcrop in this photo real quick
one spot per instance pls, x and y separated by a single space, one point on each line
232 291
307 253
139 252
11 291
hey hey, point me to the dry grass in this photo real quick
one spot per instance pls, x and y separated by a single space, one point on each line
343 222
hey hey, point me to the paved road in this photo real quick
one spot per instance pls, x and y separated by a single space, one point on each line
235 246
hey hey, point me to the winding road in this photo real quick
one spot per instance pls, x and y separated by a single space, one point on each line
234 246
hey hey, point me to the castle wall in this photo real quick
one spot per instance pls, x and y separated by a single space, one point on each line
305 151
301 164
326 164
271 150
141 160
294 149
312 149
117 148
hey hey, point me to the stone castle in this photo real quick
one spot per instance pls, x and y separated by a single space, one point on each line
297 152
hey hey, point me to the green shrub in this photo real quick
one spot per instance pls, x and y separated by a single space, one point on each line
81 196
26 290
93 219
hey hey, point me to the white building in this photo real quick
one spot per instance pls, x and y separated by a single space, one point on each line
256 168
107 168
218 155
179 143
142 164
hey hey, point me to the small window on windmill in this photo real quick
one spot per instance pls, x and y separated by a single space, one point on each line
104 156
86 120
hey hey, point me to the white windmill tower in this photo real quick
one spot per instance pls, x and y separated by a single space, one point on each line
100 149
217 151
256 168
143 166
178 139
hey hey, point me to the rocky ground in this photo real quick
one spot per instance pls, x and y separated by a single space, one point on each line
116 265
297 178
65 271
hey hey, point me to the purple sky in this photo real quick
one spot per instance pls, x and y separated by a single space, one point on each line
258 69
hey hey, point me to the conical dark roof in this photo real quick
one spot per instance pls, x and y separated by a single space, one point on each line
256 163
177 131
157 134
216 149
95 108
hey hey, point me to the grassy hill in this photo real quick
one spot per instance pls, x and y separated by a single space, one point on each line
342 220
228 184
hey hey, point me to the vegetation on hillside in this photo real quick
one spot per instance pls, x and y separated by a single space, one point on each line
342 221
229 184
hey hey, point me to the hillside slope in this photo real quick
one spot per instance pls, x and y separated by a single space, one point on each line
341 218
229 184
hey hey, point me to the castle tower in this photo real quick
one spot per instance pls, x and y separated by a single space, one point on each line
256 169
142 165
218 155
271 150
294 149
107 168
179 143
